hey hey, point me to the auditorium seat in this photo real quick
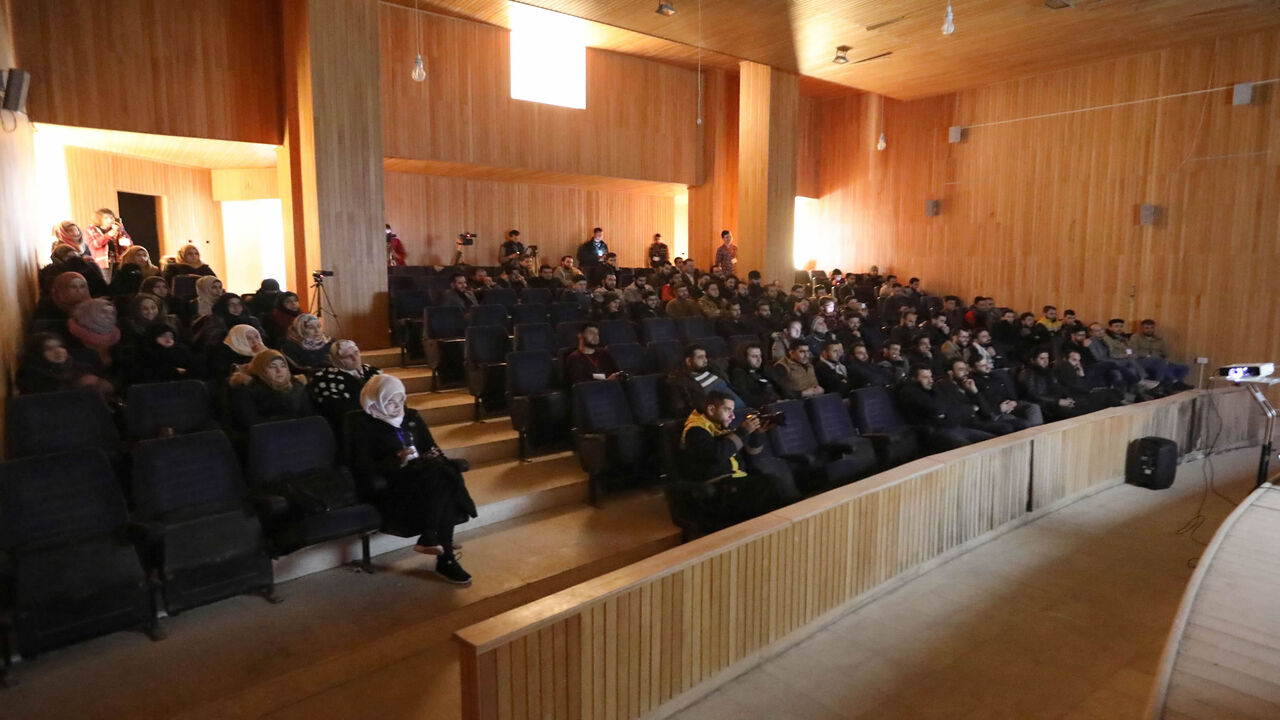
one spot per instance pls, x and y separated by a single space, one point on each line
406 320
442 339
615 332
717 348
611 447
486 362
565 311
691 328
69 569
877 418
530 313
505 297
632 358
538 405
535 296
53 422
535 336
833 429
167 408
437 285
658 330
816 467
668 355
400 283
567 333
486 314
303 496
200 535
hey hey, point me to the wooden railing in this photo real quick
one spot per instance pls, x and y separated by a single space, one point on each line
650 638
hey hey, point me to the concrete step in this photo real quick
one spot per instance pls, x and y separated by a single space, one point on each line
482 442
384 358
444 407
327 650
416 379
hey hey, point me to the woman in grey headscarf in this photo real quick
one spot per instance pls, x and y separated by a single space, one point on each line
424 489
335 390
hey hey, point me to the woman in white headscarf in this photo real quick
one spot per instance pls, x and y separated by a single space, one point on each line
242 344
335 390
208 290
424 492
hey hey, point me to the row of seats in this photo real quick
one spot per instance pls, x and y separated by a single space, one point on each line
89 545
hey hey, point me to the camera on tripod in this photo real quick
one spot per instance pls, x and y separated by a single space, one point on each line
466 238
319 275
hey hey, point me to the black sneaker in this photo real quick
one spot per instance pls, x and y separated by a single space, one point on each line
451 572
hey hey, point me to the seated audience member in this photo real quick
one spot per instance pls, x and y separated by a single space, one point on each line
65 259
266 391
1038 384
819 335
567 274
610 308
983 347
650 306
893 362
886 287
187 262
208 290
68 291
135 266
144 310
458 294
780 342
1147 347
975 316
957 347
425 490
849 332
923 404
546 279
831 371
969 407
47 367
750 380
68 233
1089 395
794 373
1116 355
157 287
1000 392
335 390
1070 322
952 311
93 334
286 311
754 287
1153 370
634 292
937 330
1005 333
228 311
1050 319
589 361
863 372
731 322
264 299
905 332
687 386
160 357
683 305
711 452
762 320
711 304
480 279
1093 355
1031 337
307 347
241 345
922 352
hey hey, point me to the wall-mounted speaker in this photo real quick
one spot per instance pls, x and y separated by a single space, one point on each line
955 134
1148 214
933 208
15 91
1242 94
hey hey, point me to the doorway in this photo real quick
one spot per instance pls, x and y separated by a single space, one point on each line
140 217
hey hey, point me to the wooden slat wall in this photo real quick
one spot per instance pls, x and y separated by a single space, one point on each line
1044 211
713 204
768 102
625 644
187 210
19 240
209 69
245 183
640 120
428 212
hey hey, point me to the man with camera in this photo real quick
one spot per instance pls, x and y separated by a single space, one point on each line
591 253
106 238
716 482
511 251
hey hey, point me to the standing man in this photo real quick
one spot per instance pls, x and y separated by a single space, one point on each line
727 253
105 238
659 253
511 251
592 252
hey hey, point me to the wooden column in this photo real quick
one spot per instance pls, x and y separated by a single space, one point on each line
333 141
713 202
768 105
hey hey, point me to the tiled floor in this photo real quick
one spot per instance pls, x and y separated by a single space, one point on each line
1065 617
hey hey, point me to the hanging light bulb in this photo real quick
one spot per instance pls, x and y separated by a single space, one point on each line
881 144
419 73
948 22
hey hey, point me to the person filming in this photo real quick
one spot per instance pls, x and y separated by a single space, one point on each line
107 239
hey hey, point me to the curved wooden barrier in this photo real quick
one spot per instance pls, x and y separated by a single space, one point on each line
1222 658
652 637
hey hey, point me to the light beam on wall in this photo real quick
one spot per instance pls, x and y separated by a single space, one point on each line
548 57
806 244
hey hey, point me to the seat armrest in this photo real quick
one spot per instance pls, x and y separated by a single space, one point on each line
460 464
838 448
269 505
593 450
804 459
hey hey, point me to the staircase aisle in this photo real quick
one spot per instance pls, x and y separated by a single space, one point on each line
346 644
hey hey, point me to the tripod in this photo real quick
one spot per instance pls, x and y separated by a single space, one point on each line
320 298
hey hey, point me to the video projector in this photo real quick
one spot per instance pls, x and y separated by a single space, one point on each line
1249 373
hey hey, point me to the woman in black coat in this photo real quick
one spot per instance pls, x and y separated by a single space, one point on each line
160 357
424 489
335 390
266 391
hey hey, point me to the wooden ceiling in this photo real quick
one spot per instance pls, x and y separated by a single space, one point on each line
994 40
189 152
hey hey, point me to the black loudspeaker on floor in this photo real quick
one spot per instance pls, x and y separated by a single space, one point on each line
1151 462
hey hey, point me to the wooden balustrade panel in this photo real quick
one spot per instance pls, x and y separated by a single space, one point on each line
625 644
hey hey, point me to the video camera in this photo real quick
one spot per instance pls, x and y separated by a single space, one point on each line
320 275
777 419
466 238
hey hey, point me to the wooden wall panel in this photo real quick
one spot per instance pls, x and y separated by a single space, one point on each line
187 210
428 212
712 607
768 104
1044 210
245 183
20 241
209 69
713 204
640 120
808 149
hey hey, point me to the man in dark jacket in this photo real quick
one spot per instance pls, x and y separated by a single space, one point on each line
923 405
832 373
687 387
749 378
731 322
591 253
1038 384
863 372
1000 393
1089 394
967 406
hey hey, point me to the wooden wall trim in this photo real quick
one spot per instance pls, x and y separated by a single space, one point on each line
688 619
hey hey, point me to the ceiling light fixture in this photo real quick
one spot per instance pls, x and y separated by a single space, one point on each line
666 8
419 72
948 22
842 55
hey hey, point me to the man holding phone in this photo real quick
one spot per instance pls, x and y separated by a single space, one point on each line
106 238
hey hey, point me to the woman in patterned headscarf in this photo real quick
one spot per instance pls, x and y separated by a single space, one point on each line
335 390
306 345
